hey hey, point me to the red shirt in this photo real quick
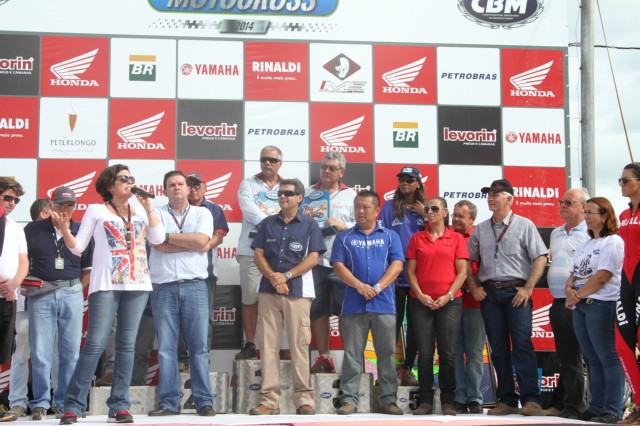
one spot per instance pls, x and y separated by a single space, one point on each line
629 231
468 302
435 260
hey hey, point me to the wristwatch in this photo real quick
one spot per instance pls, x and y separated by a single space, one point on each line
450 296
288 275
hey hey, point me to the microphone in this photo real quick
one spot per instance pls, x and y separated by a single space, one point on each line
142 192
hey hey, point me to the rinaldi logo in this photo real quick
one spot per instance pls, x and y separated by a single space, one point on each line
133 134
526 83
78 185
405 134
216 186
67 72
398 78
14 123
336 139
142 67
540 319
342 67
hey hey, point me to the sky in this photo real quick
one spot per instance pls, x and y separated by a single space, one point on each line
619 18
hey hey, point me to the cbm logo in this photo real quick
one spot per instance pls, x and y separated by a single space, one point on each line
405 134
142 67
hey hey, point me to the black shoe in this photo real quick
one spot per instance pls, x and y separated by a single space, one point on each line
121 416
162 411
475 408
605 418
247 352
207 410
568 413
460 407
586 416
68 418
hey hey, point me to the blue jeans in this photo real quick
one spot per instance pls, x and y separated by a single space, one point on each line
175 307
594 324
19 372
57 311
470 344
103 306
329 291
504 325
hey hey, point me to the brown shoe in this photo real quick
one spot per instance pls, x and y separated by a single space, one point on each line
532 409
423 409
393 409
502 409
346 408
261 410
305 410
448 409
552 411
633 418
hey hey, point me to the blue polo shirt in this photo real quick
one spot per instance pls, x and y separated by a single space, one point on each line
42 243
368 257
287 244
220 226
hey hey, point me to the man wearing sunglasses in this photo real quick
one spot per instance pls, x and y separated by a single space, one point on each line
14 267
250 195
512 258
329 288
286 246
57 311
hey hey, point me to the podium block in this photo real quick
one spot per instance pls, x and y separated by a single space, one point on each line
327 387
248 383
219 385
143 400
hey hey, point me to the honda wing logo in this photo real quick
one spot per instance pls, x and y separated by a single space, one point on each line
79 185
68 71
389 195
540 319
526 83
216 186
337 138
133 134
398 78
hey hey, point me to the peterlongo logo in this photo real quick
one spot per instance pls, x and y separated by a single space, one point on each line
17 65
405 134
342 67
142 67
544 138
398 78
389 195
540 319
68 73
526 83
336 139
216 186
132 135
79 185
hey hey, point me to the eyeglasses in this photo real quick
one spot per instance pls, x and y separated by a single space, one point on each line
58 206
331 169
286 193
625 180
567 203
407 180
459 216
125 179
9 198
270 160
434 209
590 213
195 186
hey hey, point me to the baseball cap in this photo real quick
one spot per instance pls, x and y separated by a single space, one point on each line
194 176
63 195
411 171
501 185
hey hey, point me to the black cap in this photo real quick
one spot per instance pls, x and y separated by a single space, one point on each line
500 185
411 171
63 195
194 176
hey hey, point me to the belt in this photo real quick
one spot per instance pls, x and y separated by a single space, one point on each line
67 283
505 284
193 280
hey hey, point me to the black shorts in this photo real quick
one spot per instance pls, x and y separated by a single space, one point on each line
7 329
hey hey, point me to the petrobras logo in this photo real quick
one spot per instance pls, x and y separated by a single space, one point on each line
133 134
210 69
467 195
276 67
471 137
276 132
389 194
501 13
540 319
142 67
68 72
526 83
218 132
468 76
12 123
223 316
17 65
78 185
548 138
216 186
336 138
536 192
405 134
398 78
282 7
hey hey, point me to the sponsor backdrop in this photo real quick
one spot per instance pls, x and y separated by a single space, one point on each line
466 91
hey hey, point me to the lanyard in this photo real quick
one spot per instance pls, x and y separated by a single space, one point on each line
127 223
498 239
179 225
55 242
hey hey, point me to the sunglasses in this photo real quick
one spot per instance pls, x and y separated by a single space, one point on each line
567 203
331 169
196 186
125 179
9 198
434 209
270 160
64 206
625 180
407 180
286 193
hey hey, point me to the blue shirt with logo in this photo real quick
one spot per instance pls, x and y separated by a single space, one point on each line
368 257
287 244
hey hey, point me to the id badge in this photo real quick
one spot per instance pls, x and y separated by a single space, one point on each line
59 264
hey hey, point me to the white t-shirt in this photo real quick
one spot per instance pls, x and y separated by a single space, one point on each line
599 254
14 244
114 266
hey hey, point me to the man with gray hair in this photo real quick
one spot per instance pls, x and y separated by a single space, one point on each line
563 243
329 288
512 258
286 246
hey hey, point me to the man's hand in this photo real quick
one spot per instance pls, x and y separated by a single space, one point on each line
276 279
478 293
8 287
282 288
367 291
426 301
522 297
